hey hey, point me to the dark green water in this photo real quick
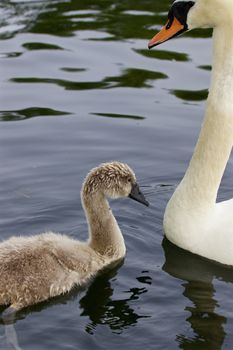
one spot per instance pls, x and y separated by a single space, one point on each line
78 87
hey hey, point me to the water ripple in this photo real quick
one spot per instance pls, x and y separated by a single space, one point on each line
29 113
135 78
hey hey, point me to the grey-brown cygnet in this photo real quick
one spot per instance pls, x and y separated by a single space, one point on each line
35 268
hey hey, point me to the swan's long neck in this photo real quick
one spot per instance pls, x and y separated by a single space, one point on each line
105 236
202 179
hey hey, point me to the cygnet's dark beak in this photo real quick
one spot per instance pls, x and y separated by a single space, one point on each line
137 195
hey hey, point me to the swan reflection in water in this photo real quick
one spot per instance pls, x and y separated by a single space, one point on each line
101 308
197 276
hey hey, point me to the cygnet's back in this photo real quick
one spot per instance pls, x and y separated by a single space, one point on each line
33 269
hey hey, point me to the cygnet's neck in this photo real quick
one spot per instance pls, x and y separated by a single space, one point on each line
202 179
105 236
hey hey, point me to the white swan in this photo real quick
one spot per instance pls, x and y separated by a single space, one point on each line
193 220
33 269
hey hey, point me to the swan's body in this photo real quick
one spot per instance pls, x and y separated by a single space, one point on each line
193 220
33 269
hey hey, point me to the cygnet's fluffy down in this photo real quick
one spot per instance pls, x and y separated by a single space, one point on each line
33 269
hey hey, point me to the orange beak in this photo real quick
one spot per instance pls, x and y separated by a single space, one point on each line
167 32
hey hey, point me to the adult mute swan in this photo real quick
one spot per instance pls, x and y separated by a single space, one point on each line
193 220
33 269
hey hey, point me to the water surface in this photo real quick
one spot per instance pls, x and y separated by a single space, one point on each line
79 87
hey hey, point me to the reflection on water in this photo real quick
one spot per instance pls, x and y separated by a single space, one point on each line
207 324
65 18
67 85
29 113
197 275
206 67
100 16
114 115
136 78
41 46
102 309
164 55
18 15
191 95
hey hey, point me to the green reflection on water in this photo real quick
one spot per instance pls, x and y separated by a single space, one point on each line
107 16
29 113
73 69
41 46
205 67
121 116
164 55
66 84
120 19
188 95
134 78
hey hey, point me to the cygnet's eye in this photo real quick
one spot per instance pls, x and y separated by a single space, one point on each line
129 179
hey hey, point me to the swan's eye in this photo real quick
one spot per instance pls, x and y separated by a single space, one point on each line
179 10
129 179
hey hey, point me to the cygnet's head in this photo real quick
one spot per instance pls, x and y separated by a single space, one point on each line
186 15
114 180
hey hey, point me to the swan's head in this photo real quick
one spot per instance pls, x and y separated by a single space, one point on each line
114 180
186 15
